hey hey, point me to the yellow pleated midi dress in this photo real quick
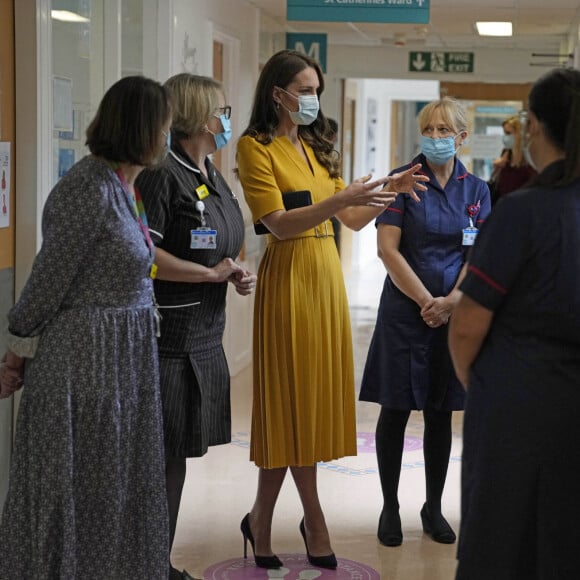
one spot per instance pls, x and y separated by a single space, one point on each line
304 401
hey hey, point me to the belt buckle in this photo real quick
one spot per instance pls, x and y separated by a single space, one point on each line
325 234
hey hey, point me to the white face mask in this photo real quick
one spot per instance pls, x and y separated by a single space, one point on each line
528 155
508 140
526 152
308 107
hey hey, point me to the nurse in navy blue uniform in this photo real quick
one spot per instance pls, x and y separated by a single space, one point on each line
198 230
515 344
423 246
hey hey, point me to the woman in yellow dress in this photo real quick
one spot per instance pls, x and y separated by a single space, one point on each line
304 404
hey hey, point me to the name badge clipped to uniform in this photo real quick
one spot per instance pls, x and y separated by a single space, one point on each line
470 233
203 239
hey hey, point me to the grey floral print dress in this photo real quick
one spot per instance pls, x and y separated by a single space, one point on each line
87 490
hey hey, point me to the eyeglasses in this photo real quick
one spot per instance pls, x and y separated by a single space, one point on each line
225 111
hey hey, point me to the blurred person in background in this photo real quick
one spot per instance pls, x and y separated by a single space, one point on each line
511 170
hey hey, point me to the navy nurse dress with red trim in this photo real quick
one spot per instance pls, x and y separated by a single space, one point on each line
408 364
520 506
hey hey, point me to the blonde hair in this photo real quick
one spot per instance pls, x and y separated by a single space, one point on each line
451 111
515 156
195 99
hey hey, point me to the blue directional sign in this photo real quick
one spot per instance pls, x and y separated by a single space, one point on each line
399 11
313 45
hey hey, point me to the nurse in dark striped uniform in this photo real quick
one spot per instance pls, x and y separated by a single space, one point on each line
197 226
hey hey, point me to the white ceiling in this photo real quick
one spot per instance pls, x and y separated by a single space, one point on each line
540 26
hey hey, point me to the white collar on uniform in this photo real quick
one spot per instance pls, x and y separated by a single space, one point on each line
186 165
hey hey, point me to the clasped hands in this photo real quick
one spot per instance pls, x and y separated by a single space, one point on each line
436 312
364 190
243 280
11 374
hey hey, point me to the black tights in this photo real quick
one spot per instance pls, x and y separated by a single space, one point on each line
174 478
390 438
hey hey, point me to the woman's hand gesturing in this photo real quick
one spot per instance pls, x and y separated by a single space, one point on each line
407 181
362 191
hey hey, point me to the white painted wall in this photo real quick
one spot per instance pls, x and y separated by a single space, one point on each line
195 25
384 92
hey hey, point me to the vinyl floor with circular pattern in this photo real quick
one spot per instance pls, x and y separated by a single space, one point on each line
220 487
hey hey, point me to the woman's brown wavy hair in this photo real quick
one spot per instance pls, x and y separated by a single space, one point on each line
280 71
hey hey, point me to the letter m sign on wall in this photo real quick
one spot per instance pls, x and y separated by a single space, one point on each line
313 45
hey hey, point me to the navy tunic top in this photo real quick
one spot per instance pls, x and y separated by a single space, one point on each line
408 365
520 507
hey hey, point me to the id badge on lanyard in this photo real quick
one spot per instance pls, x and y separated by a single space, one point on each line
470 233
203 238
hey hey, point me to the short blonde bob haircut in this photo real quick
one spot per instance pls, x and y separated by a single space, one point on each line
451 110
195 99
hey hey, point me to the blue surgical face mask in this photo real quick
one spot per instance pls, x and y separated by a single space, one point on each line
222 139
438 151
308 107
508 140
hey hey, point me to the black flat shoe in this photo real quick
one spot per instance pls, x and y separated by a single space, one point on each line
389 532
439 529
261 561
175 574
319 561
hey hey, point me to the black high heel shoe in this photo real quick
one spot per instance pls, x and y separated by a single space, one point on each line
261 561
440 531
389 532
320 561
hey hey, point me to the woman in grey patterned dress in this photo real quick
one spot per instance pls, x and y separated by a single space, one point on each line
87 491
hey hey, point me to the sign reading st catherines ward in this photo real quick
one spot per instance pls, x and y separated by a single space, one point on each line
399 11
441 62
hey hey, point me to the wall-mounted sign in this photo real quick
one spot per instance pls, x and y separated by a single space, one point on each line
400 11
437 62
313 45
5 184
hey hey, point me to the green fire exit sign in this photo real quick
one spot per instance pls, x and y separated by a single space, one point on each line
441 62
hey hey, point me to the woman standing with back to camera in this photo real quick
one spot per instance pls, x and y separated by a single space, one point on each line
515 343
303 409
423 246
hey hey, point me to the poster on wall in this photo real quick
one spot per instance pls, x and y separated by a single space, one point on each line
62 104
4 185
